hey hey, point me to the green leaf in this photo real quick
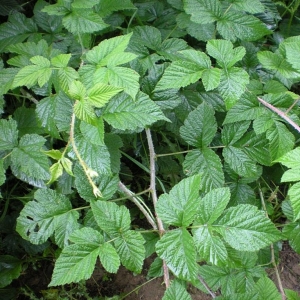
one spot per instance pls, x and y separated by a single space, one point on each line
10 269
245 228
123 112
203 11
207 163
61 60
176 291
177 248
267 289
292 232
9 134
2 173
180 205
130 247
77 91
94 134
84 111
100 94
156 268
65 77
6 79
67 165
16 30
251 6
290 159
292 50
291 175
49 213
291 295
28 162
111 218
224 53
232 85
109 258
294 195
73 268
56 170
231 133
281 140
211 78
236 25
200 126
109 6
55 154
40 72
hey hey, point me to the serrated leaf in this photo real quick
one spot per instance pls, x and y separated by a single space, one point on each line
109 6
55 154
232 85
211 78
10 269
109 258
67 165
28 162
9 134
290 159
291 175
245 228
63 111
207 163
100 94
291 295
16 30
176 291
83 21
6 79
73 268
239 161
56 170
231 133
203 11
292 50
180 205
200 126
130 247
114 143
94 134
292 232
85 112
177 248
156 268
123 112
111 218
294 195
251 6
77 90
224 53
209 246
237 25
46 215
65 77
267 289
281 140
61 60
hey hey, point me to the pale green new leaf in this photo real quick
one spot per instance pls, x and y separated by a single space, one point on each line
211 78
224 53
109 258
232 85
291 175
291 159
176 291
239 161
111 218
8 134
180 205
100 94
40 72
200 126
47 214
61 60
84 111
83 21
67 165
281 140
292 54
245 228
203 11
130 247
77 261
237 25
212 205
177 248
56 170
291 295
210 247
267 289
65 77
294 195
28 162
77 90
207 163
122 112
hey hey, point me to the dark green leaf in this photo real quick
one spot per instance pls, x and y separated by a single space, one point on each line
9 134
176 291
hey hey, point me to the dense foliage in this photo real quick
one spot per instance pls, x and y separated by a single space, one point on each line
138 128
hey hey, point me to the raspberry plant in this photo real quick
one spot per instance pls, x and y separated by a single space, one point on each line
182 116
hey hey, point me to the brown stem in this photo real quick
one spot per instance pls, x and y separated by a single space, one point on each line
161 229
207 287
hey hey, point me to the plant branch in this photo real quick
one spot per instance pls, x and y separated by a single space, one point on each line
154 198
29 96
207 287
273 261
88 172
279 113
139 203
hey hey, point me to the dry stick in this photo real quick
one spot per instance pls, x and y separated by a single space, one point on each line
207 287
279 113
154 198
272 250
134 199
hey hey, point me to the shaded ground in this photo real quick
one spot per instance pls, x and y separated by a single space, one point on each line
138 287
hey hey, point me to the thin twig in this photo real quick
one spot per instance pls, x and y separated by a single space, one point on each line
139 204
273 261
29 96
154 198
279 113
207 287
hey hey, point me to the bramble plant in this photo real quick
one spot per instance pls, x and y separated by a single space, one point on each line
187 109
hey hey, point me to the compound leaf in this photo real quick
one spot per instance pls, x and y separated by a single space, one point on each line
109 258
211 78
267 289
180 205
178 250
176 291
